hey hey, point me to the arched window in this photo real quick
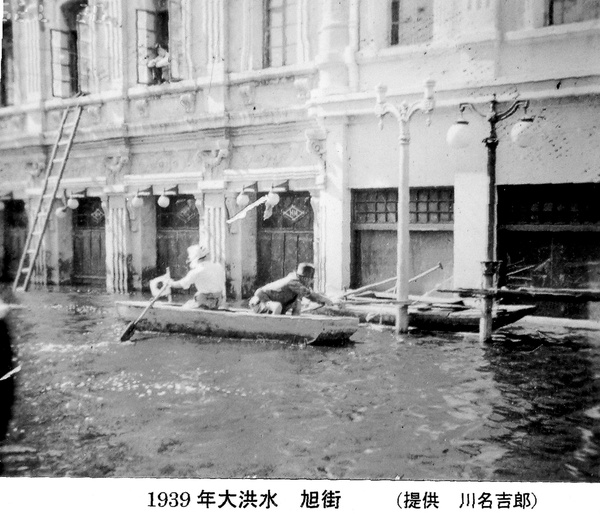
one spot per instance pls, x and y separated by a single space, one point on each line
411 22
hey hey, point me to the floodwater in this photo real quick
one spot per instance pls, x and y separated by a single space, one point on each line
525 407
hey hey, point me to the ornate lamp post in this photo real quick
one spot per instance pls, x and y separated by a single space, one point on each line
403 114
456 138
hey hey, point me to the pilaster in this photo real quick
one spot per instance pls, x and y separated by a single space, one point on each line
142 230
333 206
28 33
333 42
213 229
2 239
375 27
117 234
470 227
534 13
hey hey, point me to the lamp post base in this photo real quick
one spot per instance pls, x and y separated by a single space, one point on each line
490 271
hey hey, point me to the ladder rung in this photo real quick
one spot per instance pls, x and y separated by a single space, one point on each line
31 250
63 142
37 233
48 196
25 270
68 125
20 289
59 159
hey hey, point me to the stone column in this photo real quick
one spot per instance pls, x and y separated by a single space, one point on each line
535 12
108 50
117 231
333 41
216 30
27 44
480 20
374 26
444 20
235 249
334 210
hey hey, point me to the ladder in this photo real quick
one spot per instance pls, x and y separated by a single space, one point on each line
58 161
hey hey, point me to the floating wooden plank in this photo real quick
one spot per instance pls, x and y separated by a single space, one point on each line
574 295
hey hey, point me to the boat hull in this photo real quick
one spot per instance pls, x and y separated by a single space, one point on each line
438 318
239 323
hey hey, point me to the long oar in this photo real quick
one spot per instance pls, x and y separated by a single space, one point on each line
131 328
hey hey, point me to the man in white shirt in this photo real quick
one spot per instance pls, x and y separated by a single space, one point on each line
208 277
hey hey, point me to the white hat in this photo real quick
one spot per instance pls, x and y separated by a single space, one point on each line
196 252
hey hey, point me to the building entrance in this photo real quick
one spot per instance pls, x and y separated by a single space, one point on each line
549 237
177 227
15 234
286 238
89 243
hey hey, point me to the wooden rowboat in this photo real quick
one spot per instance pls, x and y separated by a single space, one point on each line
240 323
450 317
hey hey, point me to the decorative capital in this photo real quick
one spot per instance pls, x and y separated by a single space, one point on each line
114 166
17 122
315 142
213 157
34 168
94 112
142 106
248 93
302 86
188 101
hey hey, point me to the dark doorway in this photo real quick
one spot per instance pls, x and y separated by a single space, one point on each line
177 227
549 236
89 243
15 234
286 238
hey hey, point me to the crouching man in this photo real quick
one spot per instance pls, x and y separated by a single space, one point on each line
208 277
286 294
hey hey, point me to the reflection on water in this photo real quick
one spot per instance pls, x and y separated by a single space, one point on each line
433 406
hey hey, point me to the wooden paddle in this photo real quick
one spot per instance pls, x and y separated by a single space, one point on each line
131 328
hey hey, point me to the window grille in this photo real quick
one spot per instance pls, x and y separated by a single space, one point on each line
572 11
556 204
428 205
411 21
280 33
431 205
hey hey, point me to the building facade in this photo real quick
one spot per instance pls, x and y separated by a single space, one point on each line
262 94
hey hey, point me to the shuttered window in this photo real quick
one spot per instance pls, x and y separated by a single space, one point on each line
63 81
7 77
572 11
281 29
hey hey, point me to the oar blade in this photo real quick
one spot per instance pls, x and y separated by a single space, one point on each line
129 331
